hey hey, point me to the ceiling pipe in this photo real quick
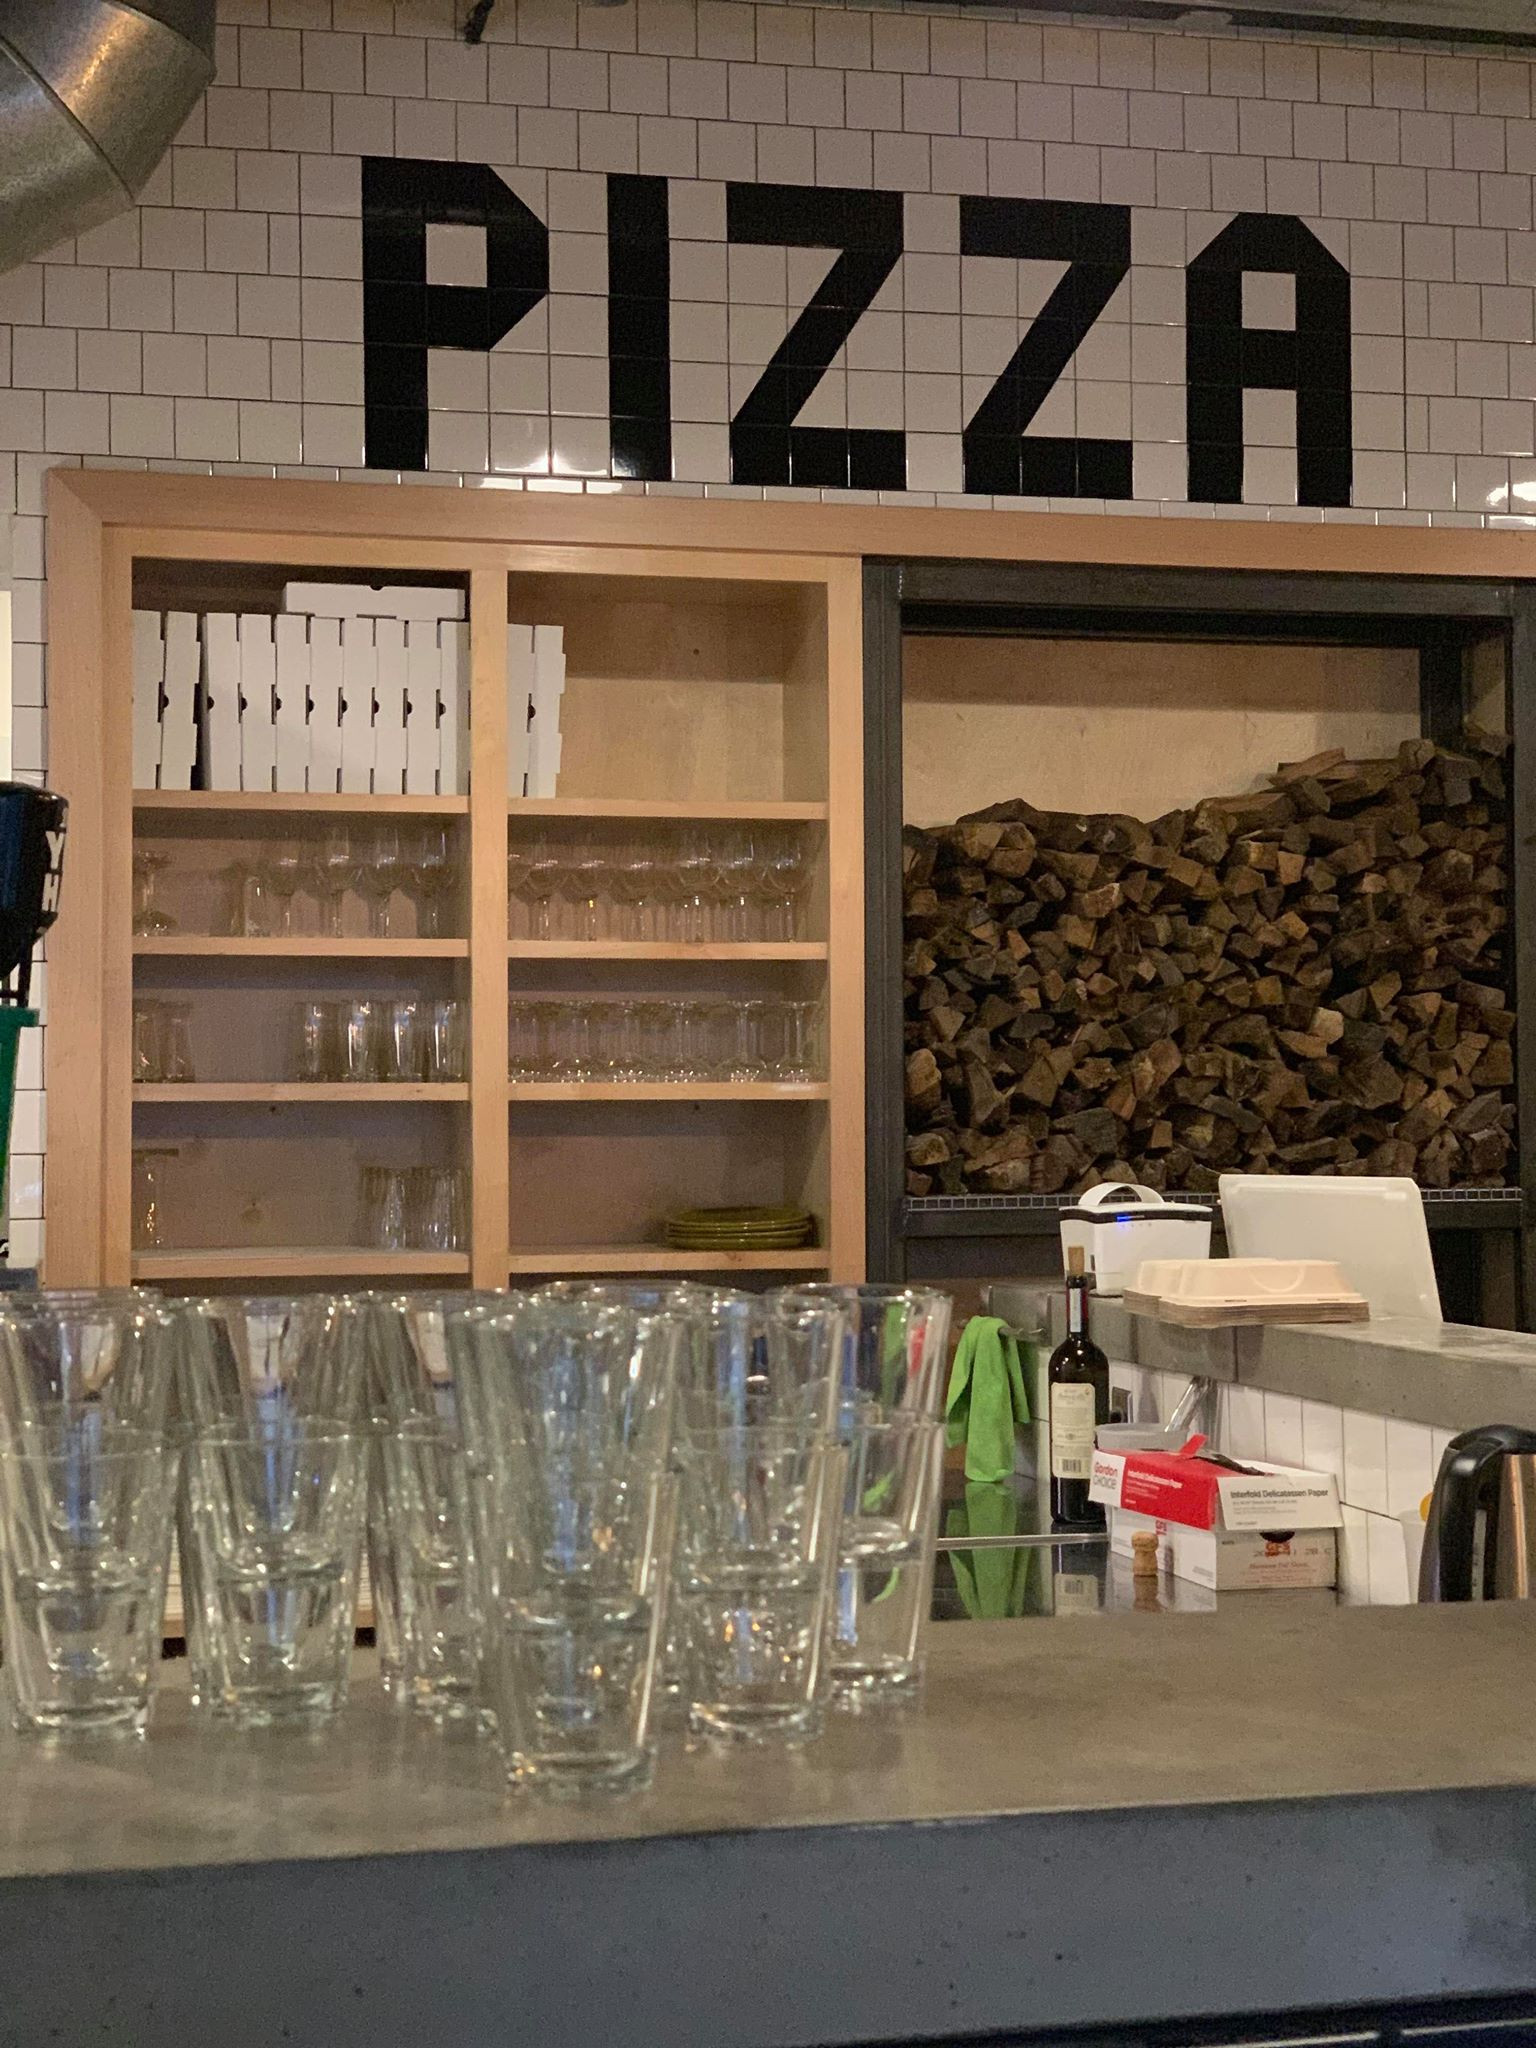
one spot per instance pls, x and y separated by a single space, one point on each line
92 93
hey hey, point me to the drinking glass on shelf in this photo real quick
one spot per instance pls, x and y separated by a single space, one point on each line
246 905
695 872
800 1051
317 1042
335 864
405 1040
433 874
385 1208
146 1041
543 880
284 872
436 1208
523 1040
361 1039
446 1040
632 889
85 1517
175 1022
783 878
148 1211
570 1031
732 883
149 920
587 880
379 867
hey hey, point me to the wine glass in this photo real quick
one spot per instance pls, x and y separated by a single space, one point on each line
335 864
517 876
149 920
542 883
433 874
695 868
632 886
586 884
376 875
736 861
784 876
284 872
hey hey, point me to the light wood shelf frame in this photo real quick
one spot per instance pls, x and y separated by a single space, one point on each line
200 946
651 1258
103 522
668 1091
301 1091
281 802
297 1262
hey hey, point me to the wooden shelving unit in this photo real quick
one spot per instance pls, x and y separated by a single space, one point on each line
703 686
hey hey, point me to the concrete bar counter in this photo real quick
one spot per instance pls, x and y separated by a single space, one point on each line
1268 1808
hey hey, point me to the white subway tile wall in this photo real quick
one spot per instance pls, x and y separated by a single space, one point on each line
220 325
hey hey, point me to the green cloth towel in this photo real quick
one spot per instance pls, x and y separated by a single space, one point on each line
996 1583
986 1400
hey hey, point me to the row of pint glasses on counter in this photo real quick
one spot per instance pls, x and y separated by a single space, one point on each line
589 1511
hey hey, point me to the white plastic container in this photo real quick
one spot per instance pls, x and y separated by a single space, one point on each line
1119 1224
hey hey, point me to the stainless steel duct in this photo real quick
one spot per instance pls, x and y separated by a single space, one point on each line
91 93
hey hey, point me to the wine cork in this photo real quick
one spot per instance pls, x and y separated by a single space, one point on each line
1144 1554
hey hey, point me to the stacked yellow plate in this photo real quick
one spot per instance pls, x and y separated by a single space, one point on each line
740 1230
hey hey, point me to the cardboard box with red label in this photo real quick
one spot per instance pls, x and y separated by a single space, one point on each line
1266 1525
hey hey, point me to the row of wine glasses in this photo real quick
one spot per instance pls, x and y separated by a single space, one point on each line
655 1039
693 885
299 887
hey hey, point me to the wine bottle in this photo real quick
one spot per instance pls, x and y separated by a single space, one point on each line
1078 1380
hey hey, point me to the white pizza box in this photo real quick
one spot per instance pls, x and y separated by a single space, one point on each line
423 666
389 708
364 601
324 771
148 680
179 721
258 707
291 643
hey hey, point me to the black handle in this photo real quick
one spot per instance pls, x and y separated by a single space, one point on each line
1469 1461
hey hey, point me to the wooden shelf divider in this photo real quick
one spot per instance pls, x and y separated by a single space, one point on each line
659 811
301 1091
294 1262
659 1258
317 803
668 1091
201 946
662 949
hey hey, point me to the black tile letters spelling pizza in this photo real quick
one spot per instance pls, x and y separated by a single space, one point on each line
1224 359
1094 242
404 315
766 445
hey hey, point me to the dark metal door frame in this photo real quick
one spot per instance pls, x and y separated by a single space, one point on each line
1438 617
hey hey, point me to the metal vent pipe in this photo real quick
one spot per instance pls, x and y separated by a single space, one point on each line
91 94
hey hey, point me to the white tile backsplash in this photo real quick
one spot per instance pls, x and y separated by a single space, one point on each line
1410 1466
1365 1461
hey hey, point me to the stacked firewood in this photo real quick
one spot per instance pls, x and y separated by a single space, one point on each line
1307 979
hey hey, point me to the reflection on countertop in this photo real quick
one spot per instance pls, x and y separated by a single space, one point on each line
1000 1560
